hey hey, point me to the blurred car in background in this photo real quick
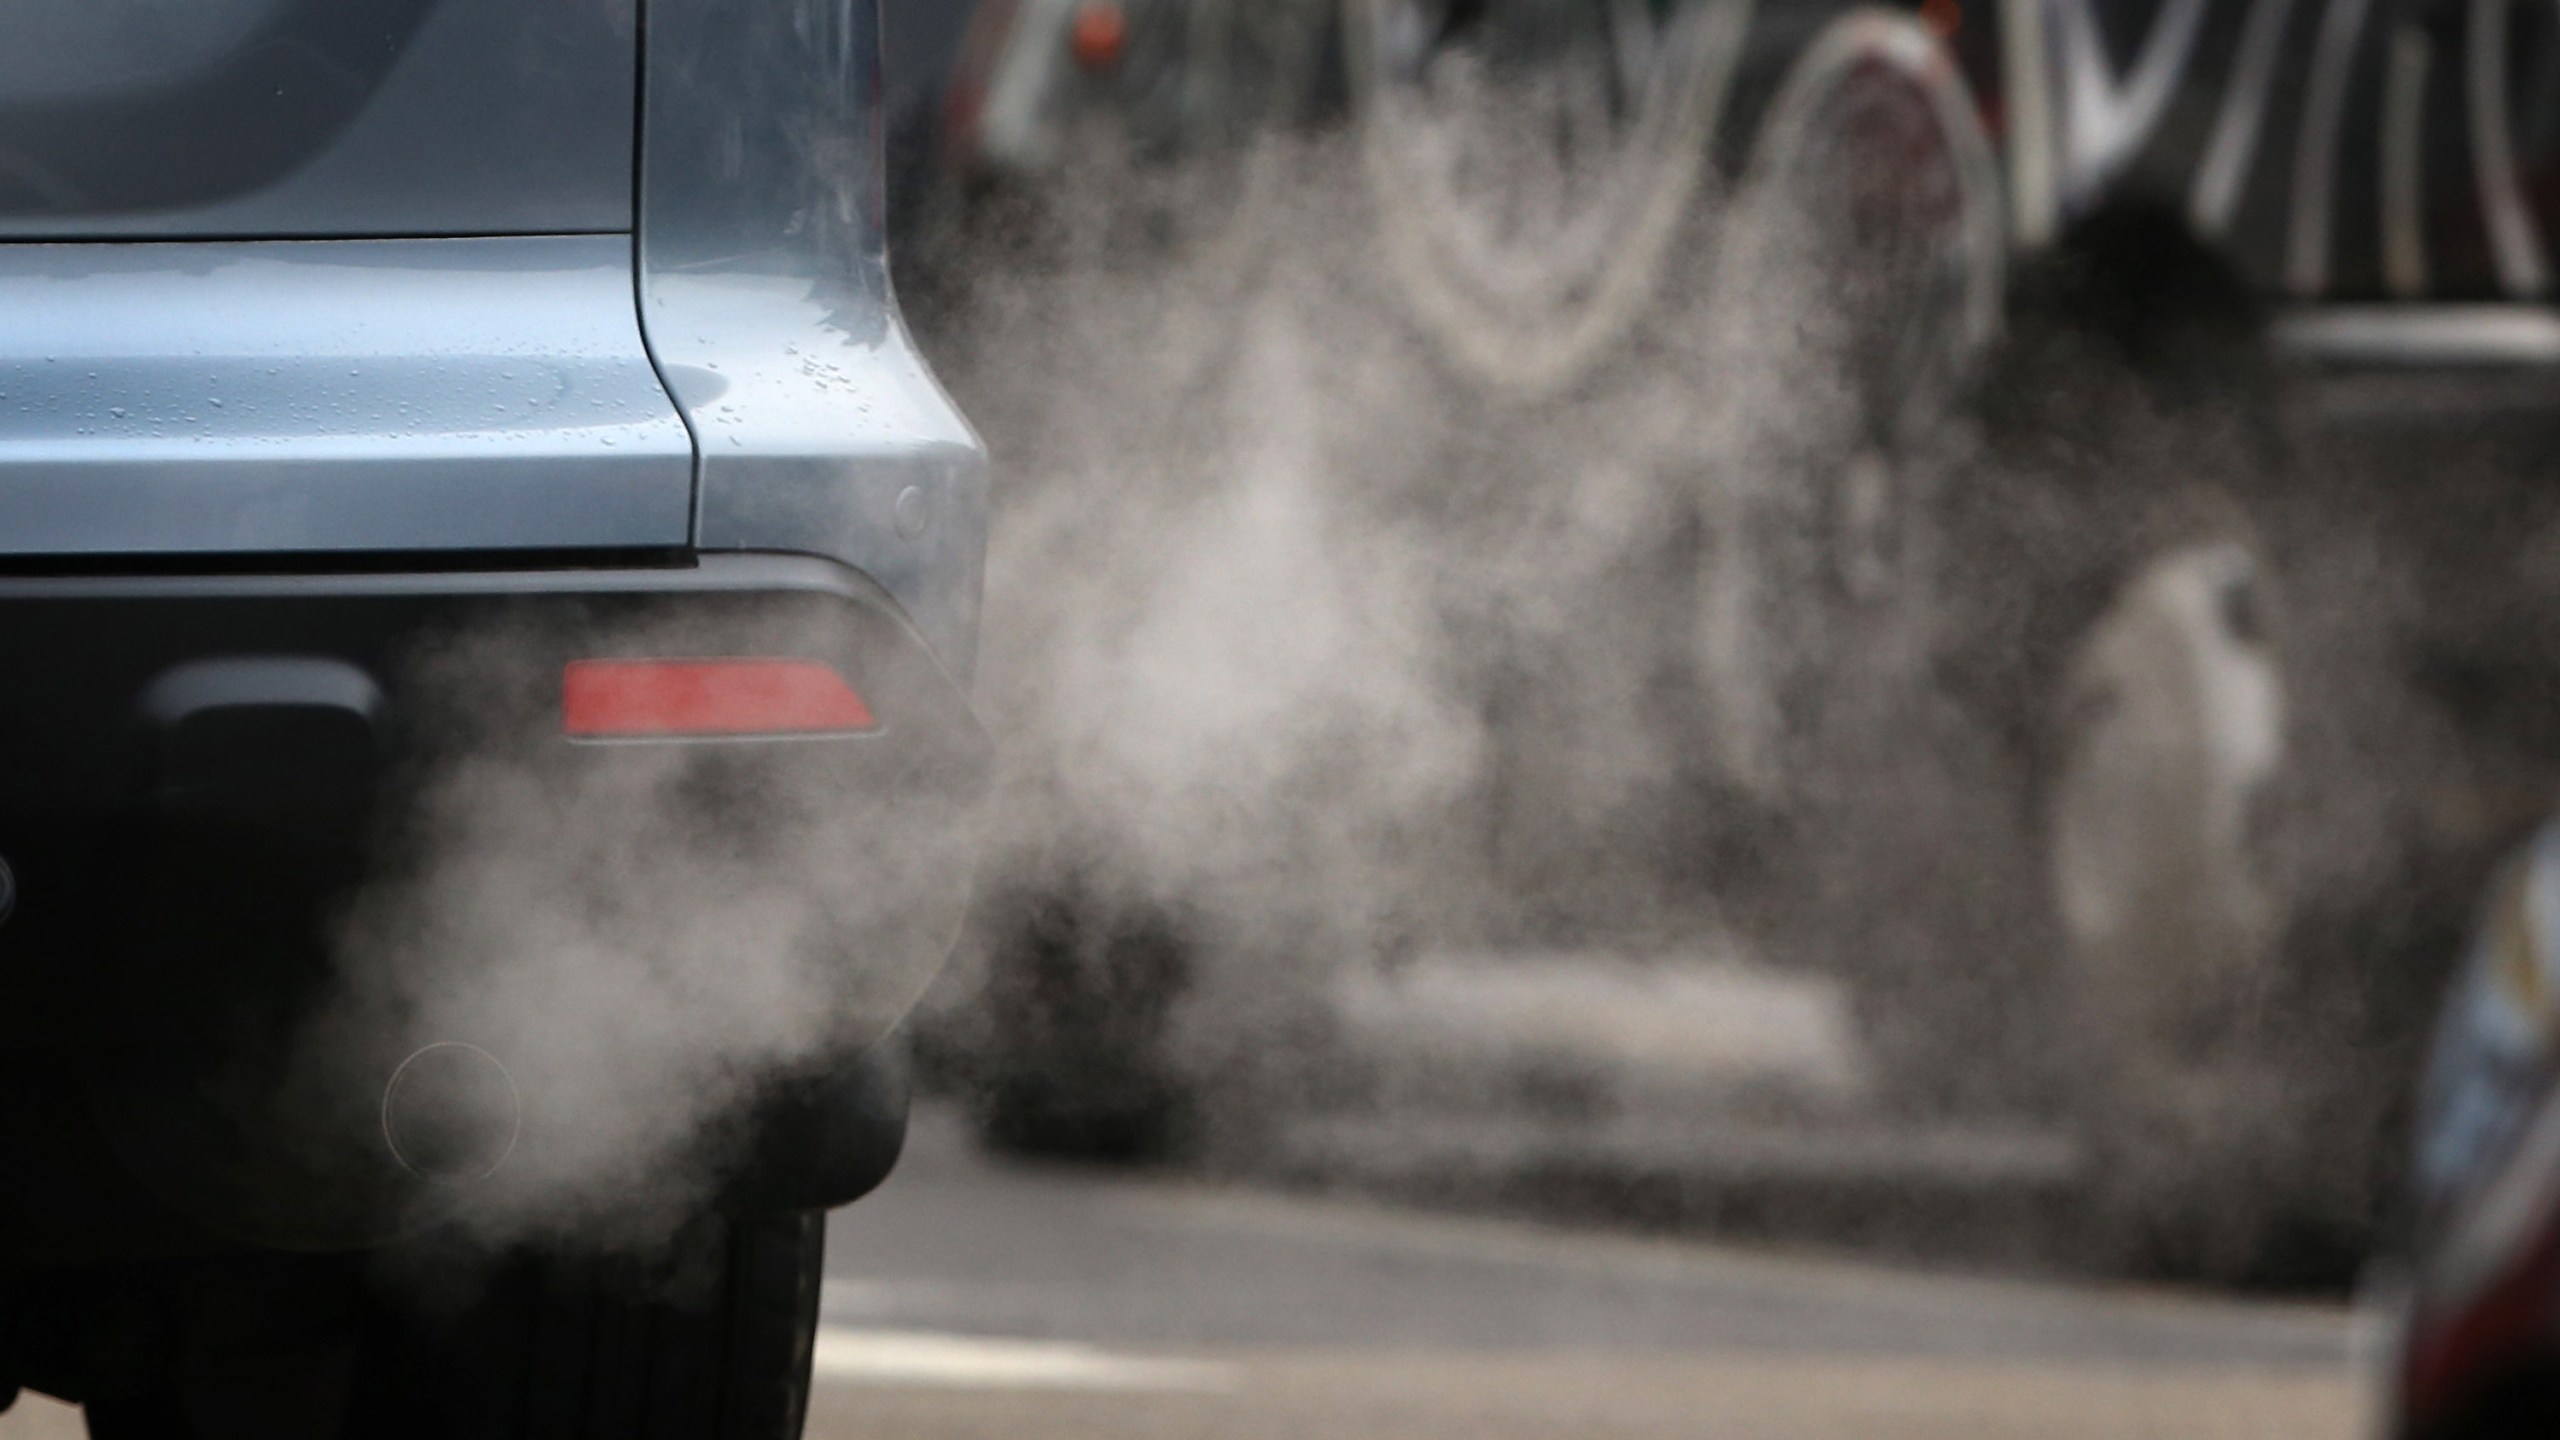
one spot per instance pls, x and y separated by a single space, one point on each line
2145 659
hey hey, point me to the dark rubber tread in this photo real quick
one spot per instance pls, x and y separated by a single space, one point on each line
715 1344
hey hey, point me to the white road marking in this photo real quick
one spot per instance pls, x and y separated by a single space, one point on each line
927 1359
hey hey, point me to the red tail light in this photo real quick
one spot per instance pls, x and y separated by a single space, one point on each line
1100 34
623 699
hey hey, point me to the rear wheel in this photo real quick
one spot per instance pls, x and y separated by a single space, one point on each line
711 1342
1077 1008
716 1341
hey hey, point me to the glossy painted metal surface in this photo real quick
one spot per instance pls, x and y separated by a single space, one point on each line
332 396
765 296
135 118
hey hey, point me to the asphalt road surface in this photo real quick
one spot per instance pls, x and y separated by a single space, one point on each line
973 1299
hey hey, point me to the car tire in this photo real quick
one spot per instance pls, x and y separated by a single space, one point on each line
716 1341
1074 1059
711 1341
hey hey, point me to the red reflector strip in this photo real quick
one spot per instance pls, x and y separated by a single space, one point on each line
602 699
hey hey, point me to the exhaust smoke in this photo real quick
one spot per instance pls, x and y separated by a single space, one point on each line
451 1114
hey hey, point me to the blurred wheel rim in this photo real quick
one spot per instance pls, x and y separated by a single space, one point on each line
1531 160
1857 286
1874 166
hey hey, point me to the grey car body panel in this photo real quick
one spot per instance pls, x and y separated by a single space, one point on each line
369 395
369 337
216 118
765 297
